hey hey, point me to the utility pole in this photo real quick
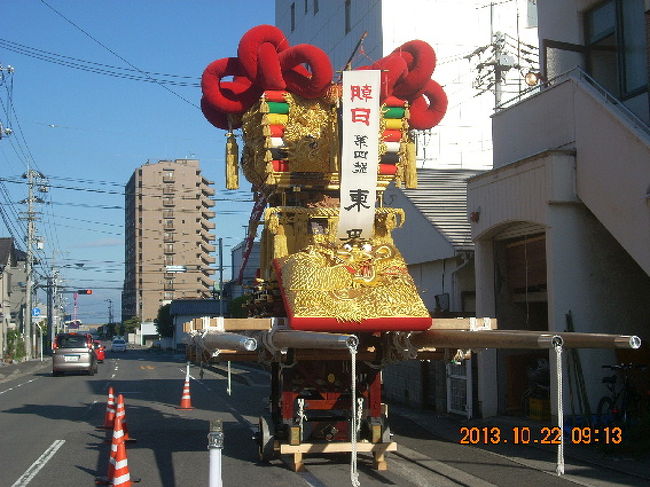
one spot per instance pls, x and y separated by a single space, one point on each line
50 308
33 178
110 311
4 131
28 264
220 276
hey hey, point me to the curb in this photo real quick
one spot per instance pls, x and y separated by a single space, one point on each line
24 368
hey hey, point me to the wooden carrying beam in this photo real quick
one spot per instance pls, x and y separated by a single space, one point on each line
312 339
520 339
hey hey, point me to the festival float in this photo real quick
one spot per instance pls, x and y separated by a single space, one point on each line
334 302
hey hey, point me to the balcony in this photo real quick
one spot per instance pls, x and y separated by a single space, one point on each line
169 248
168 238
168 225
208 259
207 190
207 203
207 236
208 214
207 247
207 281
167 201
207 224
169 189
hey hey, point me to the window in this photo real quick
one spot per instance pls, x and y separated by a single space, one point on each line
615 43
169 248
169 260
306 6
315 7
168 201
293 17
348 6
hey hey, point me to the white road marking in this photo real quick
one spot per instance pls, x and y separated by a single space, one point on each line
12 388
36 467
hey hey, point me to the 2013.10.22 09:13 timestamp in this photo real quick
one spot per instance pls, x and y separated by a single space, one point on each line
546 435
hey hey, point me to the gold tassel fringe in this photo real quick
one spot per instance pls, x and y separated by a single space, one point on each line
232 158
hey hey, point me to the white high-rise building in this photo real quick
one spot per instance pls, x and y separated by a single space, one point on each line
455 29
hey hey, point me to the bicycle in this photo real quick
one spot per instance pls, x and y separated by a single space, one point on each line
618 408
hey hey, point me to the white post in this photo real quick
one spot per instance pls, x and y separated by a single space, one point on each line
229 389
215 445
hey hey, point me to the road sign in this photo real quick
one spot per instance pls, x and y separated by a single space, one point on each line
36 311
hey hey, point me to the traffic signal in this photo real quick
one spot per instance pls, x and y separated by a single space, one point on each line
85 291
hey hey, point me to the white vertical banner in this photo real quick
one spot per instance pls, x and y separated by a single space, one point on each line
359 153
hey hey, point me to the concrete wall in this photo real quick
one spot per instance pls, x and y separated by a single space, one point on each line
591 275
613 164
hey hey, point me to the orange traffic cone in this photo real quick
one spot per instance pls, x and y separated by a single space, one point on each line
121 414
186 399
119 464
109 415
117 440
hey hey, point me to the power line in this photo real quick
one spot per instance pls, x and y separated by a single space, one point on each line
9 44
117 55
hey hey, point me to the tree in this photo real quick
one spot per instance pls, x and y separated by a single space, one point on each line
239 306
164 322
130 325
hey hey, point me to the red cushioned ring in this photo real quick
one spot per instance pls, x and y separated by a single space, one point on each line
427 110
234 96
258 53
420 59
214 116
392 69
300 81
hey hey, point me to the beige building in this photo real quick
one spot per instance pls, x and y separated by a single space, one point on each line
167 237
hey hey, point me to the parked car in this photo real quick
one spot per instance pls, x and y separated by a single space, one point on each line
100 351
73 352
118 345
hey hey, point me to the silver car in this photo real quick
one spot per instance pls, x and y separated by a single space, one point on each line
73 352
118 345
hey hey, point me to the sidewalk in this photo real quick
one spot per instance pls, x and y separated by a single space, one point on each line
448 428
14 371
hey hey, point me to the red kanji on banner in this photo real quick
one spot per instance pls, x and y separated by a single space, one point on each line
363 93
361 115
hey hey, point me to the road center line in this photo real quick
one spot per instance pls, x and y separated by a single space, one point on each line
36 467
12 388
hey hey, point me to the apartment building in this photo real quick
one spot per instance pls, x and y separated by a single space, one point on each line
168 239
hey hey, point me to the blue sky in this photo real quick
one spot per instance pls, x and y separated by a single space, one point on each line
89 131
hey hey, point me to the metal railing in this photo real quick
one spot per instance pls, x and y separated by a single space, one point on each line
581 77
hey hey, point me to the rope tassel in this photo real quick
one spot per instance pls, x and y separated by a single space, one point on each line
232 158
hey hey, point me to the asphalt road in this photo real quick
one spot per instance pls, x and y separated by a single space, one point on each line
49 437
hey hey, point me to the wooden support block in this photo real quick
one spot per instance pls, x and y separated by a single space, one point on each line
379 461
297 464
239 324
459 323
